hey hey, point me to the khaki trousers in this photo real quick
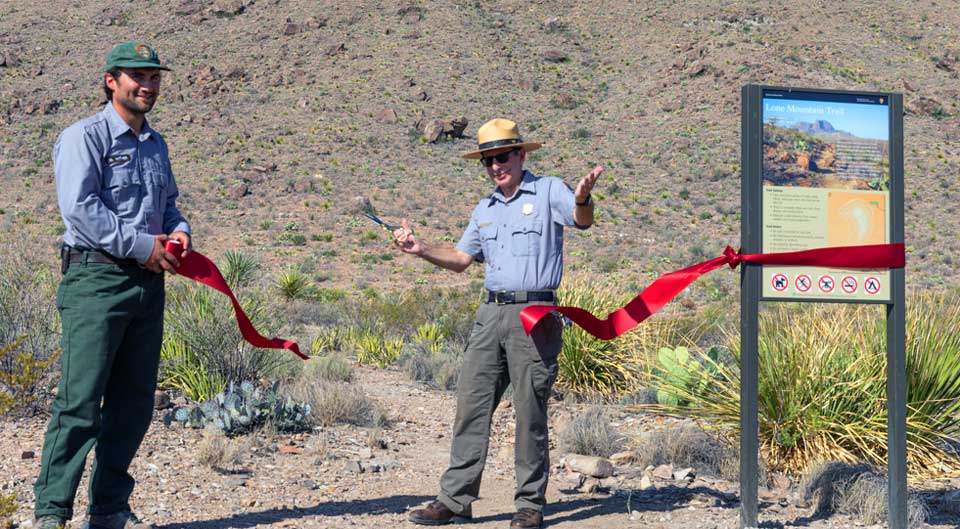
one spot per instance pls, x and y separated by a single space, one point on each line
500 353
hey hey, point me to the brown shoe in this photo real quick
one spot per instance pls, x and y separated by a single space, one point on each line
527 519
436 513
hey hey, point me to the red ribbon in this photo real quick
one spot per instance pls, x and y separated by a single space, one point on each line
202 270
667 286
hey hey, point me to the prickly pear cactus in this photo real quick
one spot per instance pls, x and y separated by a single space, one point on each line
241 408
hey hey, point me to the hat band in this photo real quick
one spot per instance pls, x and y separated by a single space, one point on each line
498 143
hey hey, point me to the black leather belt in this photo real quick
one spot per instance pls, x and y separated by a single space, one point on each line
505 297
95 256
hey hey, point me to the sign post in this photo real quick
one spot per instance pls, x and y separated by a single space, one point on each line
821 168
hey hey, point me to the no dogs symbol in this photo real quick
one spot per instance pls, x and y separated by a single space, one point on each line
780 282
826 284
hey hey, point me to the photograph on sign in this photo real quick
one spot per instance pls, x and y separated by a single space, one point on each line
825 165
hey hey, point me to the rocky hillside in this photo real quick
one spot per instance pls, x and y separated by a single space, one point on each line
278 112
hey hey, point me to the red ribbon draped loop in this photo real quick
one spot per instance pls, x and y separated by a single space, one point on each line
197 267
669 285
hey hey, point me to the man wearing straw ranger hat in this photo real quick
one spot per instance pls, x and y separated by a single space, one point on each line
517 231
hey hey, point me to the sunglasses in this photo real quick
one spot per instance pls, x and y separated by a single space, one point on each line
500 158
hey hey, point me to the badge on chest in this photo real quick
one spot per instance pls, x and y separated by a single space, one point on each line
527 209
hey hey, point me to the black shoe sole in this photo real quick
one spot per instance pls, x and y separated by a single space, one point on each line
420 521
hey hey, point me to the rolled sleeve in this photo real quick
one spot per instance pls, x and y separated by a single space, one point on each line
77 168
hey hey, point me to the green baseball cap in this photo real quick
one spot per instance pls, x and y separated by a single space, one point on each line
132 54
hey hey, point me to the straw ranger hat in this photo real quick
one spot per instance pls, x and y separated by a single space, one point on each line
497 134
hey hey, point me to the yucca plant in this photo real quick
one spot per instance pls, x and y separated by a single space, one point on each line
182 369
374 348
293 284
822 385
239 269
430 337
326 340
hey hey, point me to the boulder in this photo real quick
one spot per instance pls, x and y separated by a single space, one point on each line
597 467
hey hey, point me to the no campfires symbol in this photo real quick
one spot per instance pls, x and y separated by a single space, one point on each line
803 283
779 282
848 284
825 284
871 285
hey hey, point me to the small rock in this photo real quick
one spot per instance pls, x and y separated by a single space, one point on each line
387 116
646 483
228 7
238 191
590 486
555 56
287 449
161 400
27 454
781 482
366 453
597 467
664 472
336 49
684 474
290 28
309 484
353 467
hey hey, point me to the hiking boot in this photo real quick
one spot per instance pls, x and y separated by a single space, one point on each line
49 522
117 520
527 519
436 513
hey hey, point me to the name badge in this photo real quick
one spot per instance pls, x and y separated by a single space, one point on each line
527 209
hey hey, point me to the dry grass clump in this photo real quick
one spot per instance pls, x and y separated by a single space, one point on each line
338 403
591 434
857 490
332 368
436 370
218 452
690 447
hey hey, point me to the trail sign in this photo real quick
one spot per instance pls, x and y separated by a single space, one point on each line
821 168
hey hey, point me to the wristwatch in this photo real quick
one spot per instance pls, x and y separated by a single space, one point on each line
586 202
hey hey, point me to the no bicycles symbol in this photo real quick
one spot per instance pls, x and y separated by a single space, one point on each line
780 282
848 284
826 284
803 283
871 285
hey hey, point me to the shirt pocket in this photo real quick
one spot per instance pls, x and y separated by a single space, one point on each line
156 190
488 241
526 236
124 191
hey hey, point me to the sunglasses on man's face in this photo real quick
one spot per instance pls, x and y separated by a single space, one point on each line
501 158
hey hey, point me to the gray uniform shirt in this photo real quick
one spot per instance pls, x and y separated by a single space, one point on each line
521 239
115 189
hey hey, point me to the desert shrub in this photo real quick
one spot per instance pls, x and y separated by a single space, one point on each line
293 284
184 371
332 368
591 434
327 340
215 450
8 505
814 355
203 320
28 316
338 403
451 311
239 269
372 347
440 370
19 380
857 490
689 446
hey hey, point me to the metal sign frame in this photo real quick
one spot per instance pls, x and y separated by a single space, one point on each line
751 295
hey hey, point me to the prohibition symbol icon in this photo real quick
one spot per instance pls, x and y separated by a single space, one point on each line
871 285
826 284
803 283
780 282
848 284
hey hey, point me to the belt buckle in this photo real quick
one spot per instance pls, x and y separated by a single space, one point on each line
503 297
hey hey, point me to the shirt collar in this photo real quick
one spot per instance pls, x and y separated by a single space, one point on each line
119 127
528 184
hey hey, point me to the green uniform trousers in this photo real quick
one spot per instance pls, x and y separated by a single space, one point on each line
112 318
500 353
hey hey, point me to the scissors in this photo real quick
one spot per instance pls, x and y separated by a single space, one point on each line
388 227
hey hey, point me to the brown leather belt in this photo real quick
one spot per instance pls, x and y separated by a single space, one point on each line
96 256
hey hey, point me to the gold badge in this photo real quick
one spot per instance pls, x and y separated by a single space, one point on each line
527 209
